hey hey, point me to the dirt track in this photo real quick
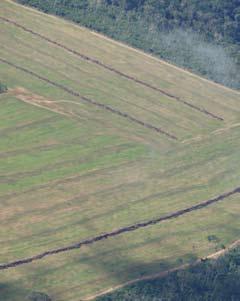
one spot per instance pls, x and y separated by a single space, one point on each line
162 274
91 101
94 61
119 231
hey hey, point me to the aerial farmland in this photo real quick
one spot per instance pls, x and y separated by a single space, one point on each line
114 165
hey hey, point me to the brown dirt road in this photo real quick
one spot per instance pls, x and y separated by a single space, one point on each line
214 255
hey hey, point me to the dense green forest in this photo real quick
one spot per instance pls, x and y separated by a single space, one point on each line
203 36
212 280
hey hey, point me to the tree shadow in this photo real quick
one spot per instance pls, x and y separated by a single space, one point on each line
10 289
112 258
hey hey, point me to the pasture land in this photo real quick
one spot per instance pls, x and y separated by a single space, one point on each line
95 136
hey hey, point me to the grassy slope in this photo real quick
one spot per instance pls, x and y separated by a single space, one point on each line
63 179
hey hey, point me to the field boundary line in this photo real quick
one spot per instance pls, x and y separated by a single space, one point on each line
165 273
119 231
109 68
91 101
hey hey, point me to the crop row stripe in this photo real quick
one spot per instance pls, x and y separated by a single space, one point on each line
91 101
119 231
94 61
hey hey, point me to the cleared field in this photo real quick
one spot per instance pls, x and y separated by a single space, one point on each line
95 136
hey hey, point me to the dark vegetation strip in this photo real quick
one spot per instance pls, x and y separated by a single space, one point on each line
7 131
92 60
119 231
104 151
63 181
31 150
91 101
41 147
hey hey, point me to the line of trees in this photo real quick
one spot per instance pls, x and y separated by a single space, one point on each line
203 36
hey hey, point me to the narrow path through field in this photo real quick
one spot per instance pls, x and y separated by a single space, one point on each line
162 274
131 228
120 73
91 101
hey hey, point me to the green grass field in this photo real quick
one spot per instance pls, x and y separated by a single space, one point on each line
70 170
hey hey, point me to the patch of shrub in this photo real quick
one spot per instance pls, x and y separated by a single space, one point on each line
213 238
37 296
3 88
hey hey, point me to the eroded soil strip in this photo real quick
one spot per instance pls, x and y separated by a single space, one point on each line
119 231
92 60
91 101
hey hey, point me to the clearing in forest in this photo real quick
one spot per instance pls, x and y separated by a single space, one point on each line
96 137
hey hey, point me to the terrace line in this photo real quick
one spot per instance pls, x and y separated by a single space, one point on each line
94 61
119 231
91 101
